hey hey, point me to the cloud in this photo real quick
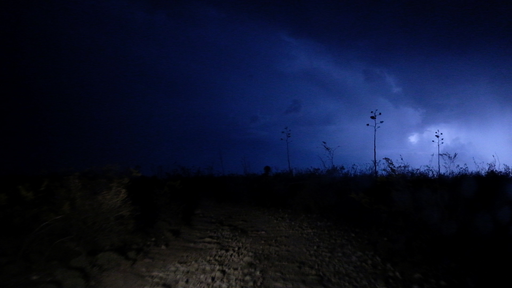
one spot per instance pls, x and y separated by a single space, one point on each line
191 77
295 107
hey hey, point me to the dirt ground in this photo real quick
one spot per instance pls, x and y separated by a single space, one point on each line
236 246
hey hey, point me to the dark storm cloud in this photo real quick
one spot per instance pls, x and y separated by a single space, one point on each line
159 82
373 75
294 107
452 25
149 80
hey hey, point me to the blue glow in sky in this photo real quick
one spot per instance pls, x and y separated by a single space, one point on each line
213 83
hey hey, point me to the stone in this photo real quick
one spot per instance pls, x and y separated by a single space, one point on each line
70 278
108 260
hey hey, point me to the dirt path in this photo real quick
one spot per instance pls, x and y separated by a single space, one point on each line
233 246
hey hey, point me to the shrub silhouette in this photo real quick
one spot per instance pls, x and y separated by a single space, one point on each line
60 218
266 170
91 210
329 151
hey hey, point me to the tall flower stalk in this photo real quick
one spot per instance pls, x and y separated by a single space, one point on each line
287 134
439 140
375 126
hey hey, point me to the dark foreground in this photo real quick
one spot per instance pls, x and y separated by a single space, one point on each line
109 229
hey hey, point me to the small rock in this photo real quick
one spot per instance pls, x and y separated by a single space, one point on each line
80 262
70 278
247 259
47 285
108 260
132 254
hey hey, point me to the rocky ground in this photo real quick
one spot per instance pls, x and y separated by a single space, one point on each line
236 246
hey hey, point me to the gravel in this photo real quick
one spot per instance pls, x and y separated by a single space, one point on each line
235 246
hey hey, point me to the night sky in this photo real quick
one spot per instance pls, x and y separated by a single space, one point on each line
213 83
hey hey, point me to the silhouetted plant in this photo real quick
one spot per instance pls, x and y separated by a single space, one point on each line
448 160
394 169
266 170
439 141
85 212
329 151
375 127
494 165
98 208
287 134
507 170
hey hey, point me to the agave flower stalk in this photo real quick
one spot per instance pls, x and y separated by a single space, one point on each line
287 134
375 126
440 142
